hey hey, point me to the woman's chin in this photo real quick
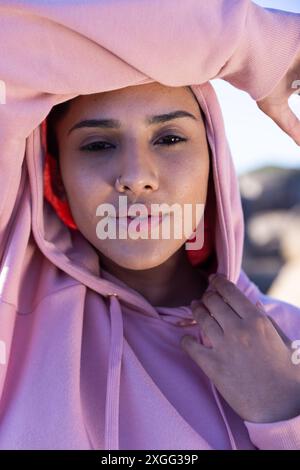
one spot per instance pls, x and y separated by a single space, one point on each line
137 254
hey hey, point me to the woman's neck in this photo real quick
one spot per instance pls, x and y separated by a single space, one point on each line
172 284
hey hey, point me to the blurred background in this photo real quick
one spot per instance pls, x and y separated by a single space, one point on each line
268 165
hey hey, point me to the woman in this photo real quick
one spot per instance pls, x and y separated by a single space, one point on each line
93 328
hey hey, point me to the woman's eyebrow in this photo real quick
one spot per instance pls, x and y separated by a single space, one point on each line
115 124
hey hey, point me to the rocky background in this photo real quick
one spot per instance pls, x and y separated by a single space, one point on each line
271 204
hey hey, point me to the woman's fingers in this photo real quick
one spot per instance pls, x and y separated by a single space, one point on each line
281 333
226 317
276 104
208 324
232 295
204 357
284 117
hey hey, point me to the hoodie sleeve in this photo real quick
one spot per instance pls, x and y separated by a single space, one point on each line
174 42
280 435
265 45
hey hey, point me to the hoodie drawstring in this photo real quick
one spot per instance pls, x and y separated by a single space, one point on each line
220 406
230 435
111 438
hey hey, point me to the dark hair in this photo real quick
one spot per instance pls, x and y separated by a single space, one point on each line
56 114
196 99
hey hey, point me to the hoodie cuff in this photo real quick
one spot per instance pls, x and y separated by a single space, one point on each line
267 47
279 435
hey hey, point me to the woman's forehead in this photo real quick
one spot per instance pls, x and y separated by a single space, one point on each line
157 90
147 99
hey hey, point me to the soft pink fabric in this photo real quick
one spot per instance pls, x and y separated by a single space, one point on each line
90 363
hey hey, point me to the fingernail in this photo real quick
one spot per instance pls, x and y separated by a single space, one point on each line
260 306
212 276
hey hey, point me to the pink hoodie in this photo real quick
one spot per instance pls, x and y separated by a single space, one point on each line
87 362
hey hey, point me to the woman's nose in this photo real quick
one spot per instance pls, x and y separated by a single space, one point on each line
137 176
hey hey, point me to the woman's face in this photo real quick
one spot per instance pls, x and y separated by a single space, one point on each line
136 151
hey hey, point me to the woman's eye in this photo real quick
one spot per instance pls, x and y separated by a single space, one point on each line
99 145
91 147
172 137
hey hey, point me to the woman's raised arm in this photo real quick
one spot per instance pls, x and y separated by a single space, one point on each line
174 42
266 62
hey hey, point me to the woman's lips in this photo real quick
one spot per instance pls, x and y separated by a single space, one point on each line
142 223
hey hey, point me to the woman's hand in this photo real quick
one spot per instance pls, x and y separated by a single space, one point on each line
245 355
276 104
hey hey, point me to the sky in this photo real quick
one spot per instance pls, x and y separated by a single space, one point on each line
254 138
